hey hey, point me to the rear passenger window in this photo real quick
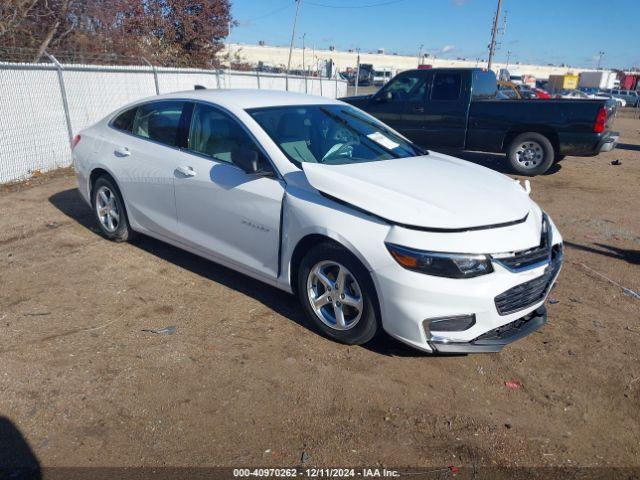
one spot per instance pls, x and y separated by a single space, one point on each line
446 86
215 134
124 121
159 121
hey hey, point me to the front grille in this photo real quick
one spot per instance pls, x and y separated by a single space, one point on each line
531 292
533 257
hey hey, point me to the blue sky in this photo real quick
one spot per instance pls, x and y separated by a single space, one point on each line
538 31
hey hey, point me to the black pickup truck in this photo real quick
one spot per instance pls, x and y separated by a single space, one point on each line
461 109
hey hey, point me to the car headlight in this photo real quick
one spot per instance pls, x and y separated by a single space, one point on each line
451 265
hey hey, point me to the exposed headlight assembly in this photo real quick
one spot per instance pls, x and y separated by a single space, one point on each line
451 265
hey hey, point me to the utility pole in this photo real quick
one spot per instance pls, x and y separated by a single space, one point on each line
508 57
600 55
420 54
229 42
293 36
357 70
494 32
304 71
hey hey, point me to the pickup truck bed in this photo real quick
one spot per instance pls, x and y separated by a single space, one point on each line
567 123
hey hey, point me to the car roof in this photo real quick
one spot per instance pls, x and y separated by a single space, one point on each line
250 98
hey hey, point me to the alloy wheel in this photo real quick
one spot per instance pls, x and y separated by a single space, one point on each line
335 295
107 209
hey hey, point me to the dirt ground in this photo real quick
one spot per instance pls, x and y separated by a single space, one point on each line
245 381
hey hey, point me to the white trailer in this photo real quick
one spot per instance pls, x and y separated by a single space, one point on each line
382 75
601 80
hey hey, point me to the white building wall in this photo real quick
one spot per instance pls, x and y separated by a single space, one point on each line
278 56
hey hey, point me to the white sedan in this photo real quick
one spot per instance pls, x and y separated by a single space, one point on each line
320 199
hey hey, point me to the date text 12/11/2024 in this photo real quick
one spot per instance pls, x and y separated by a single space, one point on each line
316 472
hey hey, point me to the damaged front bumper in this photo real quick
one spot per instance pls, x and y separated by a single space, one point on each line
494 340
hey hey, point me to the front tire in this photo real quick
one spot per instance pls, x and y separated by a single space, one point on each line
108 208
531 154
338 295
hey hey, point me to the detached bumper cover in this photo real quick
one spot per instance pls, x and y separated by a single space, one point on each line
494 340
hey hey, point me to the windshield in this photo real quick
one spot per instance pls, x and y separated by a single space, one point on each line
331 134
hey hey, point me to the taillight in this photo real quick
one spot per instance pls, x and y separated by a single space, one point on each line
75 141
601 120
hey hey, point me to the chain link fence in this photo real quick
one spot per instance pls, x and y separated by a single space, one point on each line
45 104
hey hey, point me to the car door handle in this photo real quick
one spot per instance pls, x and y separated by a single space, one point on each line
186 171
418 109
122 152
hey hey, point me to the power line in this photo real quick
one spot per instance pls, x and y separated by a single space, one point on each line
381 4
273 12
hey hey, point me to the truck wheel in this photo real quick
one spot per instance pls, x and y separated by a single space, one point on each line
530 154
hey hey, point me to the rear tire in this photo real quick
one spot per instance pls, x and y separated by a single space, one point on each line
531 154
338 295
109 210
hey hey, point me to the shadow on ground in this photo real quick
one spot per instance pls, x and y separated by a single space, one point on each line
628 255
17 460
71 204
494 161
628 146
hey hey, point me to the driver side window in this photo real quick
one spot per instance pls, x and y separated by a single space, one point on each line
405 87
217 135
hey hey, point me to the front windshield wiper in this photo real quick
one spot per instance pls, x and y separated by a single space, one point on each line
341 120
384 129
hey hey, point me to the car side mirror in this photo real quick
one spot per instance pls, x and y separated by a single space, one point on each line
249 161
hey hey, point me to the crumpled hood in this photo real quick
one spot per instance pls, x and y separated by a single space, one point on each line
431 191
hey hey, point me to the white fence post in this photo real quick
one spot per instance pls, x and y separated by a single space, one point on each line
63 92
155 74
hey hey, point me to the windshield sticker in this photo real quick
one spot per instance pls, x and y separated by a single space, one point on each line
383 140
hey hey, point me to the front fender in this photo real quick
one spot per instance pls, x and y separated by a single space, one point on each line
309 213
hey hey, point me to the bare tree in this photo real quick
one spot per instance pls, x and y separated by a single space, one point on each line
57 14
168 32
13 13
